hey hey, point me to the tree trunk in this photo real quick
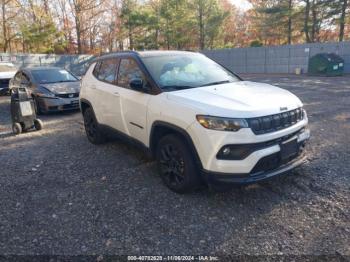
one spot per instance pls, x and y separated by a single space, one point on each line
23 46
306 21
46 6
201 26
4 27
167 34
342 20
156 35
290 5
131 39
314 21
77 29
91 38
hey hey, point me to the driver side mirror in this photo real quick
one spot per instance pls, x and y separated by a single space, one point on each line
136 84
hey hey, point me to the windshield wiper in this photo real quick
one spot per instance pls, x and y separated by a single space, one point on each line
217 83
180 87
62 81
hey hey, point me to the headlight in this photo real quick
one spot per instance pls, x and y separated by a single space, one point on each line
222 123
43 92
304 114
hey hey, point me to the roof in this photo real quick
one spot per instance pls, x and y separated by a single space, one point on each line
142 54
162 53
35 68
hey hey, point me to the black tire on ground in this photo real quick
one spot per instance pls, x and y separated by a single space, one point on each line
37 108
92 129
38 124
176 164
16 128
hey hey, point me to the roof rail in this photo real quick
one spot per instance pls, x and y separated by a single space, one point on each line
119 52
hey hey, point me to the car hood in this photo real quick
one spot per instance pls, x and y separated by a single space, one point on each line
7 75
63 88
239 99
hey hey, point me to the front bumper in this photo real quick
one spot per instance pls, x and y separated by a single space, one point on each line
266 167
219 178
209 142
58 104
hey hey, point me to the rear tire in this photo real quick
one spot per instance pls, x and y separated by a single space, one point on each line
16 128
92 129
176 164
38 124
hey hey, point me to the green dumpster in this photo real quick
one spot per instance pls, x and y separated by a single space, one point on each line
326 64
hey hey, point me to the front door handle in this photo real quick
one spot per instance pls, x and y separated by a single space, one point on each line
115 93
93 87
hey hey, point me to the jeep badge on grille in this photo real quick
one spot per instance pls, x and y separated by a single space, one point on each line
283 108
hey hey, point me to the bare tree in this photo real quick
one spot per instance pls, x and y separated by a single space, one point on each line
9 11
306 21
84 11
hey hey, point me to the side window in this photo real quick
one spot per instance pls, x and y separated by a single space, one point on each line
108 70
96 69
128 70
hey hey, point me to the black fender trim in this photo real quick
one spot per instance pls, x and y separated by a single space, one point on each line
83 100
177 130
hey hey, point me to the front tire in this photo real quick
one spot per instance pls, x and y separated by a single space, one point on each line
38 124
176 164
16 128
92 129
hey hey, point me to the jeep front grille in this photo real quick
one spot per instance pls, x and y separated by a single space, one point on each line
271 123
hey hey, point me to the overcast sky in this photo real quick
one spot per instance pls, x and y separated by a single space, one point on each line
242 4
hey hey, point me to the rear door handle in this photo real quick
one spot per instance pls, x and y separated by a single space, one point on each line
93 87
115 93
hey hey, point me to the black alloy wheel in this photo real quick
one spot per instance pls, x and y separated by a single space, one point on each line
92 129
172 165
176 164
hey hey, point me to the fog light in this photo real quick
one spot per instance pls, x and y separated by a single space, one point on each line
234 152
226 151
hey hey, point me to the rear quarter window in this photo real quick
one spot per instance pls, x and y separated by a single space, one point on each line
106 70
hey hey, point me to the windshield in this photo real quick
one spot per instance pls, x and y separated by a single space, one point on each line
187 70
45 76
7 68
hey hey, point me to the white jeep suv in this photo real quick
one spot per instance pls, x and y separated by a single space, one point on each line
199 120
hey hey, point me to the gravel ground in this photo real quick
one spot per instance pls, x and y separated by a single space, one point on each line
61 195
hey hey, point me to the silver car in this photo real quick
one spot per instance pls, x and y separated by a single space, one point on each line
53 89
7 71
